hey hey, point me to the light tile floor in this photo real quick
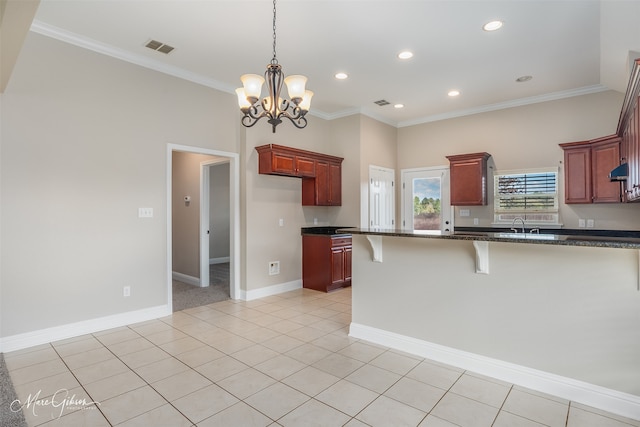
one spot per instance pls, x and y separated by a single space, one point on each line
284 360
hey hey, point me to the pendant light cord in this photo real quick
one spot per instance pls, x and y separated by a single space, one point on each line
274 60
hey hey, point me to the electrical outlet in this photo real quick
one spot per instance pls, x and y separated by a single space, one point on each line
315 221
274 268
475 221
590 223
581 223
126 291
145 212
281 222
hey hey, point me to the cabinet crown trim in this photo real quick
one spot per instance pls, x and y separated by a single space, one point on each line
296 151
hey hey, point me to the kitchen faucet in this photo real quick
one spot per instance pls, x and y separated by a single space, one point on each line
513 224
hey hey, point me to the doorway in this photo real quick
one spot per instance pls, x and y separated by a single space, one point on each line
197 265
426 202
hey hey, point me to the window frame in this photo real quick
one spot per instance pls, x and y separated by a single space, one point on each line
547 218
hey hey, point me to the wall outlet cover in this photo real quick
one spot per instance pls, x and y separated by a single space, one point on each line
274 268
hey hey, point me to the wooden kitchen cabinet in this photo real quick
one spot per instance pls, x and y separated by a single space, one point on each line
631 153
468 179
279 160
326 262
321 174
577 172
325 189
587 165
605 156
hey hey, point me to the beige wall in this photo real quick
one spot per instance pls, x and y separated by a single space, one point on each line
84 141
523 137
378 148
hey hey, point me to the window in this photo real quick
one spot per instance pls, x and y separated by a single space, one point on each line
529 194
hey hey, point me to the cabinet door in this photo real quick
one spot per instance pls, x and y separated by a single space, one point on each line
283 163
468 179
347 263
577 174
322 190
605 156
337 265
335 184
305 166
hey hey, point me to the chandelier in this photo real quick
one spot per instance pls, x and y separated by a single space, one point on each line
274 107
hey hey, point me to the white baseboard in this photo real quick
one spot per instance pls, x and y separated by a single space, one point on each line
184 278
220 260
271 290
43 336
616 402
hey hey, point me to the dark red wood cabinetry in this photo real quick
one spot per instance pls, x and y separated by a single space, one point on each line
326 262
321 174
468 179
587 164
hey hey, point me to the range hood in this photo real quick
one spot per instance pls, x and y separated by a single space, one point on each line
620 173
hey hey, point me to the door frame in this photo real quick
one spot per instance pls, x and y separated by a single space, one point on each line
234 216
403 201
205 232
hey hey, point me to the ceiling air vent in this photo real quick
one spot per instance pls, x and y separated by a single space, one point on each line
159 46
381 102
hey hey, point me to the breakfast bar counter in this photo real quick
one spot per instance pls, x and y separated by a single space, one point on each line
557 314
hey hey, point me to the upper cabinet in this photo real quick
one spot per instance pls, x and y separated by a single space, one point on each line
586 170
278 160
468 179
629 131
321 174
588 165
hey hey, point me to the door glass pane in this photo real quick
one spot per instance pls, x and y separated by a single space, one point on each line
426 203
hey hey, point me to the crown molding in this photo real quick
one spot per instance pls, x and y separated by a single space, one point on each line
143 61
124 55
586 90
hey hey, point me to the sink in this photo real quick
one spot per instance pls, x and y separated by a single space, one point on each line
526 236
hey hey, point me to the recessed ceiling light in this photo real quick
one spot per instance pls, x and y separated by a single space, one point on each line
453 93
523 79
405 54
341 76
492 26
398 106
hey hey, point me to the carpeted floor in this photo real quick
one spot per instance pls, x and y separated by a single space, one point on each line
9 417
189 296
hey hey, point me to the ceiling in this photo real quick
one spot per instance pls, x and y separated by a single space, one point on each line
568 47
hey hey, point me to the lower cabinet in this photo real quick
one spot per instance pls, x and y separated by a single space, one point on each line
326 262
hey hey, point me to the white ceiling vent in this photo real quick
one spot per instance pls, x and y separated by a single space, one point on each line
159 46
382 102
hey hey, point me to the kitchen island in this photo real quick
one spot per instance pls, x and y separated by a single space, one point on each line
559 315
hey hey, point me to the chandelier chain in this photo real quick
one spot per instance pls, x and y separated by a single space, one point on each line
274 60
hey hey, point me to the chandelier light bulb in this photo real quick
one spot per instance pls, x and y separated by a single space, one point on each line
242 99
252 86
295 86
305 104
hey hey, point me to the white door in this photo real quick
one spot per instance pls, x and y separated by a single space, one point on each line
382 205
426 203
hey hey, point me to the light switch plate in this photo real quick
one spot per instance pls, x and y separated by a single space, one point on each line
464 212
590 223
145 212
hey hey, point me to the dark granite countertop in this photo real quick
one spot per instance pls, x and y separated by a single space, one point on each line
603 241
326 230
